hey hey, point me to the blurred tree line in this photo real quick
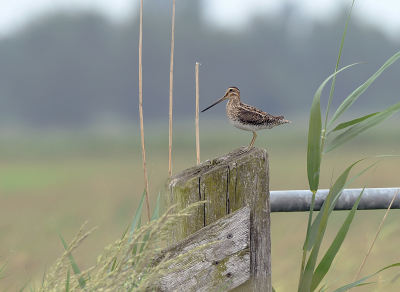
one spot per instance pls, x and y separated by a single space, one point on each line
73 70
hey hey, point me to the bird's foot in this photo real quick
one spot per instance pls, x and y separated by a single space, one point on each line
243 150
248 149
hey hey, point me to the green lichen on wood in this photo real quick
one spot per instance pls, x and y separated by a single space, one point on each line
183 195
229 183
213 189
226 183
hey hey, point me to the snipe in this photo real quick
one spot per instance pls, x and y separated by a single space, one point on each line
246 117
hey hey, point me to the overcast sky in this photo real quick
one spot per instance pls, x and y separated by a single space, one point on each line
383 13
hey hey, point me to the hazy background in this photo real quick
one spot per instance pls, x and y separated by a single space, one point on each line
79 67
69 122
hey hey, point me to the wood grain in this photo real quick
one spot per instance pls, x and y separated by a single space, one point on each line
228 183
225 261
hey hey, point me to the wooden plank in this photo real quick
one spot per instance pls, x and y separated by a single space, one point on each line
251 181
232 180
229 183
183 190
225 262
214 189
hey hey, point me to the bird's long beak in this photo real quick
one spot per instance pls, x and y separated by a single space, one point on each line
217 102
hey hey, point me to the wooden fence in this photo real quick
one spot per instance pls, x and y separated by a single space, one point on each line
234 222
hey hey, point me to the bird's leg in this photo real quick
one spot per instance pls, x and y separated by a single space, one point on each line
252 142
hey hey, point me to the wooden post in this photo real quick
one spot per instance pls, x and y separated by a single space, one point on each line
229 183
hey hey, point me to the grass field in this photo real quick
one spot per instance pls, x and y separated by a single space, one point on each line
74 177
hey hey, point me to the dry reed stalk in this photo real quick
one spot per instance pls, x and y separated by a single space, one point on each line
141 111
171 83
376 235
197 114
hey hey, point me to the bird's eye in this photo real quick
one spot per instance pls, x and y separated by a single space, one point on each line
231 90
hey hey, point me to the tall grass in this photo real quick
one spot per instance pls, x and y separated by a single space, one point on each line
126 264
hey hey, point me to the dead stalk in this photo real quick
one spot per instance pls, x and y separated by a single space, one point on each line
171 83
376 235
197 114
141 111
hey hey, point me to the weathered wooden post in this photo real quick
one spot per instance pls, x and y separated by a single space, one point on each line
228 183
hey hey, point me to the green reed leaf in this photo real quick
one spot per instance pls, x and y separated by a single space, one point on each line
137 215
74 266
352 97
357 283
337 189
305 245
326 262
23 287
44 275
314 136
114 264
155 216
30 287
362 127
306 279
67 283
350 123
135 246
324 287
2 269
337 66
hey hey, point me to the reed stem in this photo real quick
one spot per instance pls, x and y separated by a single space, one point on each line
197 114
141 110
171 83
376 236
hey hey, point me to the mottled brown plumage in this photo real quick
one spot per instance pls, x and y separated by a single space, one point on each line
246 117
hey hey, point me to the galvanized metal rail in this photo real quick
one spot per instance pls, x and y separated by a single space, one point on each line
300 201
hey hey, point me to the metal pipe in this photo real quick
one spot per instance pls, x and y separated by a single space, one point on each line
300 201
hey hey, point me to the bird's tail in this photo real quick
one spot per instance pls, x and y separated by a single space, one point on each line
282 120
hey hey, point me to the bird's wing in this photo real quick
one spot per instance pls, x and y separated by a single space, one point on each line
252 115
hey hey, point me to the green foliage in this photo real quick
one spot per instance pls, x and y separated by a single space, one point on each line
363 124
311 277
315 135
3 269
134 250
153 217
72 260
330 255
44 275
29 284
137 217
352 97
307 275
359 282
349 123
337 65
67 283
336 190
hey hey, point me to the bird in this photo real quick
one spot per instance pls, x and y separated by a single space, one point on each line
246 117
